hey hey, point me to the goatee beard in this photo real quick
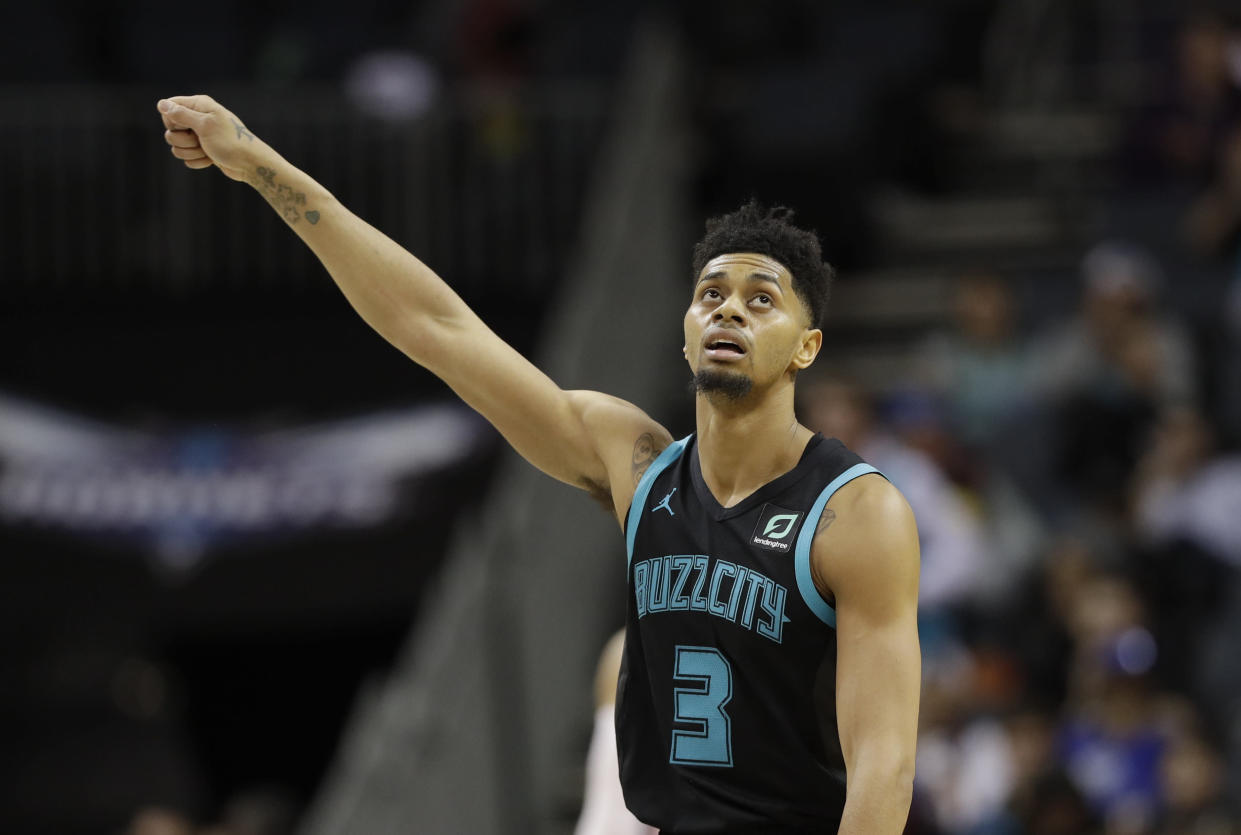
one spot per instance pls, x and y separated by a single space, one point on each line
727 386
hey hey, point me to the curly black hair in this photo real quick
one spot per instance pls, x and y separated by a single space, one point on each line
755 228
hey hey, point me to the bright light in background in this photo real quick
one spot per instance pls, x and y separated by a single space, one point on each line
392 85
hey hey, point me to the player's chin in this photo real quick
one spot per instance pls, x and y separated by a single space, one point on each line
720 382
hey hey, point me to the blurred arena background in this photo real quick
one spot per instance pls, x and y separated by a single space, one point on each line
262 575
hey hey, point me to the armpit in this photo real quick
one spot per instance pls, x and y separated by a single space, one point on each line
599 492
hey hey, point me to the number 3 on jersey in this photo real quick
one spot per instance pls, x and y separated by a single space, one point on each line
702 706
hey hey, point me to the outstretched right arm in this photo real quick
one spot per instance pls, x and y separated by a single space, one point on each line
586 439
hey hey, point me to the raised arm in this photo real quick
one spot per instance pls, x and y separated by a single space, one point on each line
868 560
585 439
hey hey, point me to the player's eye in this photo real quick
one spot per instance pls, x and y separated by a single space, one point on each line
710 293
763 299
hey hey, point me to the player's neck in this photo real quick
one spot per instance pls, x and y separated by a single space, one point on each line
742 445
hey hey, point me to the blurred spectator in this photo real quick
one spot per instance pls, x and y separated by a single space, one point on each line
1187 512
1198 104
1213 224
265 811
1116 729
1185 491
971 761
980 365
1037 625
1011 530
1202 136
1118 343
156 820
1106 621
950 530
968 777
257 812
1218 680
1004 779
1192 783
1051 805
1104 374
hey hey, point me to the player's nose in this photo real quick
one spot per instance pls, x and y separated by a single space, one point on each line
731 309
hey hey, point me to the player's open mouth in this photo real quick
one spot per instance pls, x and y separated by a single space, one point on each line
725 349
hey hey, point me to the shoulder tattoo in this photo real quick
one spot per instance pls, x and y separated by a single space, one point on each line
644 453
825 521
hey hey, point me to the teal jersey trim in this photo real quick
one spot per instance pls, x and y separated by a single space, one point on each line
801 556
637 506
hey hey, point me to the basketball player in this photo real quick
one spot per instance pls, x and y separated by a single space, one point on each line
771 671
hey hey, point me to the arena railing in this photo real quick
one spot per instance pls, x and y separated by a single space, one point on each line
484 185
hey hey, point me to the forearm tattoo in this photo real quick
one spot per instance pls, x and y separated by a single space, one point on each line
241 130
644 453
291 204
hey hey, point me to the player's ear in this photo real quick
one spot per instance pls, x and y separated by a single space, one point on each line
685 351
812 341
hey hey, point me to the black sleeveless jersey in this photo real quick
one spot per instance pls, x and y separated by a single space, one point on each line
725 714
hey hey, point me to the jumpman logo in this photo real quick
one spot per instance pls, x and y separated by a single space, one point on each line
664 504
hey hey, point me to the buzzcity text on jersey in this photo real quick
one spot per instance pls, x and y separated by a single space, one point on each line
679 583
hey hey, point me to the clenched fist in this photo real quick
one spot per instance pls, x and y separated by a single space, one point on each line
203 133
